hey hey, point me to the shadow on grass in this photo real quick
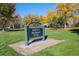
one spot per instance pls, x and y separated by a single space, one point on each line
75 31
14 30
36 40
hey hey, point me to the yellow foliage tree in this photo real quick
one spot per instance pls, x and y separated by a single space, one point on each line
25 21
45 20
31 18
67 10
56 15
50 13
68 20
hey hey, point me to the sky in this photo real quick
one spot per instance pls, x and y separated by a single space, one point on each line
23 9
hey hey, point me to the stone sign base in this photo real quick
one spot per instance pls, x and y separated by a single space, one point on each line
33 47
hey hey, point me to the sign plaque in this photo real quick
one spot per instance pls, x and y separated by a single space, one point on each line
33 33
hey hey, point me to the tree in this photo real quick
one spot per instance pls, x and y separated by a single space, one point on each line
6 13
25 21
53 18
45 20
67 10
16 22
31 18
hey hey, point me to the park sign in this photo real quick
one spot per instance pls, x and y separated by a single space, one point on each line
34 31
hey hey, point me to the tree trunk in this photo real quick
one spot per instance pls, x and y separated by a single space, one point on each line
3 29
70 25
4 25
13 26
64 18
65 25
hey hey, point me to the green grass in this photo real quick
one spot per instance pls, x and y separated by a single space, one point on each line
70 46
7 38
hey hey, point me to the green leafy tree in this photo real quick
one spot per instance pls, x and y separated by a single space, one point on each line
6 13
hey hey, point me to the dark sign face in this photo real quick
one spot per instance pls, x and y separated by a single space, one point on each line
35 32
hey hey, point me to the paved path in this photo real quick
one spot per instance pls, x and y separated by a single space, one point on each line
34 47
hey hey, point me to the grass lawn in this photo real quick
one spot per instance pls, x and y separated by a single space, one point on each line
69 47
7 38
